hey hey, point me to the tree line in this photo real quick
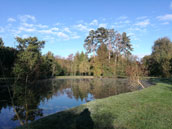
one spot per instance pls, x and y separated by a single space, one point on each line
108 54
25 62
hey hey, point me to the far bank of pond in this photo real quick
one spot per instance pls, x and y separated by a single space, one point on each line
148 108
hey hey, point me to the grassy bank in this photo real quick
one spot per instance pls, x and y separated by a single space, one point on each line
74 77
150 108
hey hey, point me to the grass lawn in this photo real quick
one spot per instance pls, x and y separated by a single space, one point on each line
150 108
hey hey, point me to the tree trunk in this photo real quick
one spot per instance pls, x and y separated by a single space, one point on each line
27 78
12 102
140 83
109 56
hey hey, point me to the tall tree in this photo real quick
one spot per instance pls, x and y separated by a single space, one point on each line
102 66
1 42
27 66
134 72
30 44
126 45
95 39
162 53
158 63
70 59
84 66
111 40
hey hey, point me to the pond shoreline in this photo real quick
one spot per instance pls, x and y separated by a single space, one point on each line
138 109
49 96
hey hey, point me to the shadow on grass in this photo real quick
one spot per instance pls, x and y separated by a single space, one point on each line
170 88
72 120
84 121
167 81
161 80
64 120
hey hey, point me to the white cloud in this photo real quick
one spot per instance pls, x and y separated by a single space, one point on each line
74 35
63 35
49 31
54 29
57 24
66 29
81 27
122 18
42 26
165 23
25 36
118 26
33 25
141 18
133 36
171 5
11 19
48 38
27 25
127 21
26 29
103 19
122 22
134 29
25 18
167 17
103 25
143 23
94 22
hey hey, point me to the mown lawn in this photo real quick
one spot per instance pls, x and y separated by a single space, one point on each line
150 108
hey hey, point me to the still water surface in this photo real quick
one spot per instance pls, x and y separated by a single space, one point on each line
21 104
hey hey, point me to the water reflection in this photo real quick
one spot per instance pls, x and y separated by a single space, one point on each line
20 104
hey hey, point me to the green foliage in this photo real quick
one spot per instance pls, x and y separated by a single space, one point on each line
126 45
159 62
27 66
7 58
84 66
101 66
111 49
1 42
95 39
30 44
81 64
97 69
30 64
50 67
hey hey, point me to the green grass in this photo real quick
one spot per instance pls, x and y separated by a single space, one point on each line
150 108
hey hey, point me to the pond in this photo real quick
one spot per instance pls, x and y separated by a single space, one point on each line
21 104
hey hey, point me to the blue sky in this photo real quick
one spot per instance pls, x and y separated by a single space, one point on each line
64 24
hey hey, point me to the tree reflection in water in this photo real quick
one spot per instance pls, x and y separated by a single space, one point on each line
25 99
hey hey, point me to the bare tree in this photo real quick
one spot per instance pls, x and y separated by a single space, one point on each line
135 72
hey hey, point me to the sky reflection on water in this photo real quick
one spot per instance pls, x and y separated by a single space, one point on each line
31 102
